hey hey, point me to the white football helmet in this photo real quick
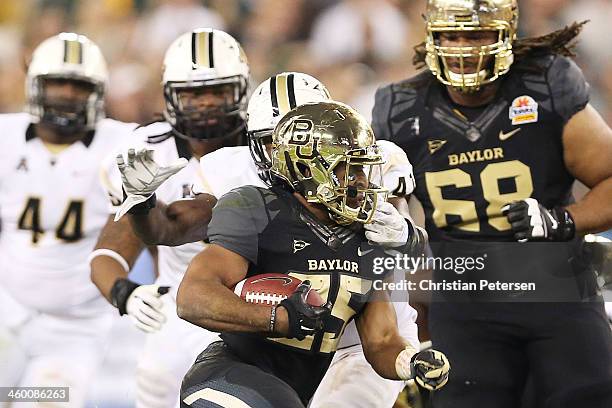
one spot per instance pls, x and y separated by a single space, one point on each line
73 57
273 98
205 58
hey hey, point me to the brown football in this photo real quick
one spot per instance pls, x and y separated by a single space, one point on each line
272 288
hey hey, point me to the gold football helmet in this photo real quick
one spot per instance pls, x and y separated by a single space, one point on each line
321 149
470 15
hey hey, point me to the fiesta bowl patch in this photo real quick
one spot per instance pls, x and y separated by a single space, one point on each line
524 109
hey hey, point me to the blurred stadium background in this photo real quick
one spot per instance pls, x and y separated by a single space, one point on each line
353 46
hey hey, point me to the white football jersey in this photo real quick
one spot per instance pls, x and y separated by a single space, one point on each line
226 169
52 209
172 261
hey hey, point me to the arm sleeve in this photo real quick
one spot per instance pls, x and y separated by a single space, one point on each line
237 220
380 113
569 89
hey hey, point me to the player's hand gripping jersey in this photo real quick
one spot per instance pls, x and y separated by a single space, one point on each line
469 164
52 208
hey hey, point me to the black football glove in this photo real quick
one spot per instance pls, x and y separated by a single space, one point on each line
304 319
531 221
430 369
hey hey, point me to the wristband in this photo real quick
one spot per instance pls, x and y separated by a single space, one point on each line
272 319
144 207
403 363
111 254
120 292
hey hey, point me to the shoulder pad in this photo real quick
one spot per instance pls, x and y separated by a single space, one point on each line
396 106
13 127
155 132
569 89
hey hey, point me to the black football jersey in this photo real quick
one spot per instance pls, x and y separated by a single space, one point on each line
469 163
271 229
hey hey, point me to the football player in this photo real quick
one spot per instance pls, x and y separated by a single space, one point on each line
205 79
51 211
251 166
322 195
266 106
498 129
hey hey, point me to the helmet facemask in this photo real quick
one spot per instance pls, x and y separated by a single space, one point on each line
258 142
448 63
350 193
64 115
226 119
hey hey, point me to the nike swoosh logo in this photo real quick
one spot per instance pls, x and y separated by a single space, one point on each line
286 281
362 253
504 136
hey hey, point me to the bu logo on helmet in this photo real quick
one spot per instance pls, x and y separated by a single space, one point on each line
301 136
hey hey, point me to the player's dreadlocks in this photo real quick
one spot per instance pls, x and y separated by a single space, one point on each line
560 42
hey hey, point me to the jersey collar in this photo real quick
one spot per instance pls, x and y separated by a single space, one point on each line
31 134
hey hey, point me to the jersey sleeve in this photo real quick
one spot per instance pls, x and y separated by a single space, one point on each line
380 113
237 220
569 88
397 175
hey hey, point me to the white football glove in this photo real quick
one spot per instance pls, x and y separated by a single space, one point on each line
144 307
141 176
388 228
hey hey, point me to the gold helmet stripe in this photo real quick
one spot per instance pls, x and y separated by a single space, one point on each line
202 49
282 93
73 52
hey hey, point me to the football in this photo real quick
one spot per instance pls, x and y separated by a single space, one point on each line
272 288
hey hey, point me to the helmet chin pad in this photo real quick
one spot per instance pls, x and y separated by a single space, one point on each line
471 82
65 117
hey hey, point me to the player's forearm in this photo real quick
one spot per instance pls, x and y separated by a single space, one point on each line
104 272
382 355
152 227
593 213
220 310
121 247
178 223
